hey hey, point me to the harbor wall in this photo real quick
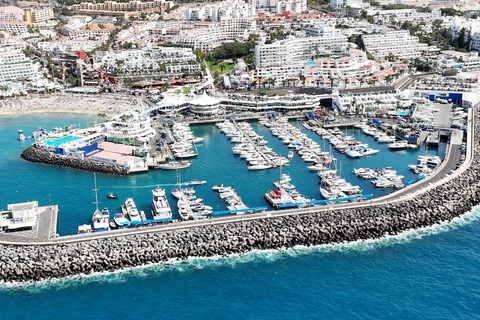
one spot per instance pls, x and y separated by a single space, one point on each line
442 203
34 154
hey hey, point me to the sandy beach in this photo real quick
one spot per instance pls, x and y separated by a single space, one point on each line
69 103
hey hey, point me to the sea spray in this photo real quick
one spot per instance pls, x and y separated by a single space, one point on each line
233 260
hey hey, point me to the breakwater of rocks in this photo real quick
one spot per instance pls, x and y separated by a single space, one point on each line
443 203
34 154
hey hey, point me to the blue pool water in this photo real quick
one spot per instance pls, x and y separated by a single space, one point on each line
426 274
57 142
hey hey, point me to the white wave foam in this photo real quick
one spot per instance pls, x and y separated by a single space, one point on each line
254 256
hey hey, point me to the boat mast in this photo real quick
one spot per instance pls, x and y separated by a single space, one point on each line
96 195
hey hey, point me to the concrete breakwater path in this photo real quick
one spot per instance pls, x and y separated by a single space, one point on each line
437 199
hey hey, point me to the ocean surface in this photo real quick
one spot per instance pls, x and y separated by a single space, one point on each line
425 274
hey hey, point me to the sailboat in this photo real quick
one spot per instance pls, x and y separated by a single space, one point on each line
99 218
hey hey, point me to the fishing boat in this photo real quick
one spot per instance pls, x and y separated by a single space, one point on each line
196 182
160 206
110 195
174 165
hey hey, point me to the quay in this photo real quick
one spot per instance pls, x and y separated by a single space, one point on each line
447 171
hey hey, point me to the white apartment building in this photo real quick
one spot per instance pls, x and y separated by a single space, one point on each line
14 65
122 6
471 26
336 4
399 43
216 33
129 125
170 60
42 15
284 60
280 6
298 50
220 11
475 42
66 44
11 13
17 27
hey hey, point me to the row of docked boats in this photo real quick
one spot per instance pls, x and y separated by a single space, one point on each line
182 145
384 137
333 186
233 200
306 148
426 164
190 207
380 177
251 146
285 195
345 143
129 214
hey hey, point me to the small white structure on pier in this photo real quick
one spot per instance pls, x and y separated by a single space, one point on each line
19 216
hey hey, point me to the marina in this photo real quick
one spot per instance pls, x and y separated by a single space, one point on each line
253 184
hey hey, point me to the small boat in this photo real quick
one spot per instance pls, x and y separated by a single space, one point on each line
173 165
290 154
21 136
99 222
196 182
112 196
399 145
259 167
132 210
120 220
217 187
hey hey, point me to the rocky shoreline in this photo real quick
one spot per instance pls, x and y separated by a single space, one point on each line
443 203
34 154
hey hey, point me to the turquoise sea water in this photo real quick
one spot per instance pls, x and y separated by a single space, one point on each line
426 274
72 189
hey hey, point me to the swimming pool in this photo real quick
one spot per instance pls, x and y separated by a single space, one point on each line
57 142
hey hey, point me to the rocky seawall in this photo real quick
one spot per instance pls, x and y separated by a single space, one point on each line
443 203
34 154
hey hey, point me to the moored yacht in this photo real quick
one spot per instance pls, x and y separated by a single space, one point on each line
132 210
160 206
399 145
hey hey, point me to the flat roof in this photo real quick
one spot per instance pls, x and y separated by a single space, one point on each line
117 148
